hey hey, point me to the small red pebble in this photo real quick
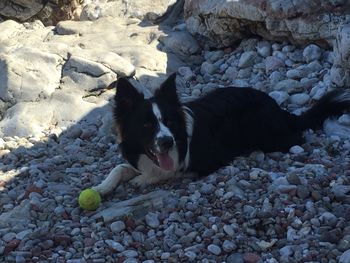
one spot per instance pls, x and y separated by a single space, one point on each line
11 246
251 258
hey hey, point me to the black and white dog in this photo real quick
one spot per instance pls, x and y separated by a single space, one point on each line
161 138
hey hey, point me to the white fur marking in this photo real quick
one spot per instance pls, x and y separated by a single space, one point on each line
163 130
189 130
121 173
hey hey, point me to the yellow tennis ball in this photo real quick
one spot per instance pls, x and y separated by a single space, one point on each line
89 199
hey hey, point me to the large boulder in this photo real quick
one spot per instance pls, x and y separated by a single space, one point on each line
219 24
55 76
141 9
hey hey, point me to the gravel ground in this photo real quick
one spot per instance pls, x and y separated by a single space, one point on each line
290 207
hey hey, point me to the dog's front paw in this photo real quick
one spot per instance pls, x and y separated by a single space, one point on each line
139 182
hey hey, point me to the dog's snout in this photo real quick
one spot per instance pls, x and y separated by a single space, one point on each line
165 142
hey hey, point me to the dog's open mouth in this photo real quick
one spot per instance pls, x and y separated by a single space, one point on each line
163 160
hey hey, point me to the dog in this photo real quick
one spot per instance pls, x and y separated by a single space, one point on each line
161 138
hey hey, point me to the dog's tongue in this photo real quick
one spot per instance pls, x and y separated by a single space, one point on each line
165 161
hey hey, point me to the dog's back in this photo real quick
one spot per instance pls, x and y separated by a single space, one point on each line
235 121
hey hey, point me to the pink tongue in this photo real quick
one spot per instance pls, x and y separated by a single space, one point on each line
165 161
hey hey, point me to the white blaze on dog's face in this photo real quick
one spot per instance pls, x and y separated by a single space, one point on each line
164 143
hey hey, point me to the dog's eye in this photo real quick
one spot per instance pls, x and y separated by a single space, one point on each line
147 125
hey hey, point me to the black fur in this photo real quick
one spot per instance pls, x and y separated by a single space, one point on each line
236 121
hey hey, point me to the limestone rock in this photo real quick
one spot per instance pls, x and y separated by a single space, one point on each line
143 10
218 24
56 76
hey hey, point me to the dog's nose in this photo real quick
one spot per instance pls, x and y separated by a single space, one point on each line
165 142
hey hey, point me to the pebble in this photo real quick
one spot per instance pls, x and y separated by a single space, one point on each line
251 258
299 99
288 85
311 53
115 245
247 59
279 96
345 257
272 63
117 227
235 258
296 149
264 48
344 119
228 246
152 220
214 249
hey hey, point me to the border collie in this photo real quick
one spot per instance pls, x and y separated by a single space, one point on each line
162 139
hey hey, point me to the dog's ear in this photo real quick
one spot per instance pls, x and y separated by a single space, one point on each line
167 90
127 96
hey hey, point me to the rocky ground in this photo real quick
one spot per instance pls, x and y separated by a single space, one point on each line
275 207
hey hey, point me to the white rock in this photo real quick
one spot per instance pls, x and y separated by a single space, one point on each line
343 119
272 63
247 59
186 73
228 246
299 99
296 149
279 96
311 53
345 257
208 68
264 48
117 227
152 220
115 245
214 249
289 85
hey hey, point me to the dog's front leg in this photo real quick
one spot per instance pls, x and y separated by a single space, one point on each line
121 173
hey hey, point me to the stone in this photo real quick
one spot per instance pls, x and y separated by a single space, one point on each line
290 86
17 217
264 48
152 220
228 246
296 149
181 43
273 63
345 257
117 227
279 96
311 53
344 119
328 218
247 59
214 249
54 80
115 245
186 73
208 68
138 206
251 258
142 10
235 258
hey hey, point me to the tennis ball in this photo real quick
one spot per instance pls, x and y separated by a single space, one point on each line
89 199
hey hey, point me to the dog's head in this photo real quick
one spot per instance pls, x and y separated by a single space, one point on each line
154 127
